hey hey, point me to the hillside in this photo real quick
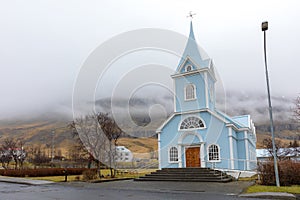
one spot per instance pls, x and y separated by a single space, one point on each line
41 131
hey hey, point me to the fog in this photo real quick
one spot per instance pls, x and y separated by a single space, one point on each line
44 45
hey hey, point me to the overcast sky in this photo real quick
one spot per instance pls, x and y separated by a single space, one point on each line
43 44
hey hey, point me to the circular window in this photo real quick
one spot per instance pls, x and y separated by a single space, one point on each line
188 68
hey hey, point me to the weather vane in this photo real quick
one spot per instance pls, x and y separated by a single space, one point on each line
191 15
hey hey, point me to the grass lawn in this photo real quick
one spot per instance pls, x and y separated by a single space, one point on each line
105 172
295 189
57 178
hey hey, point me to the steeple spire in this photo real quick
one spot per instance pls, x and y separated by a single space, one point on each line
191 36
191 25
191 50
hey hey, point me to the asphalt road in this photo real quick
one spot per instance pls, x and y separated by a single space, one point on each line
128 190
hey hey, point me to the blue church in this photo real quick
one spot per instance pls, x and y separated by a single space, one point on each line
197 134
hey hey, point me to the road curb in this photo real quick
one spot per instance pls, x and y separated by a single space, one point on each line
24 181
270 195
110 180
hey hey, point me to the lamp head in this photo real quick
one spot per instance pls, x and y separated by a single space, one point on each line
264 26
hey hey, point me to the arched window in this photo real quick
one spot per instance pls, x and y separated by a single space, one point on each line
213 153
191 123
173 154
190 92
188 68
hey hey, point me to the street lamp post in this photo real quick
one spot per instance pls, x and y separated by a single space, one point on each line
264 28
52 147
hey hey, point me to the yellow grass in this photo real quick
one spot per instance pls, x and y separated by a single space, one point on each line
129 173
295 189
139 145
58 178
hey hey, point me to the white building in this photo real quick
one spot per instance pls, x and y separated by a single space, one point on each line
282 153
123 154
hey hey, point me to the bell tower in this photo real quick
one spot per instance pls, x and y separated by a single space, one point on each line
194 79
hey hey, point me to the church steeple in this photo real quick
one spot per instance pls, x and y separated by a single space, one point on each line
191 36
194 78
191 51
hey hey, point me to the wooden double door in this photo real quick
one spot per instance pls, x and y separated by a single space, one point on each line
192 157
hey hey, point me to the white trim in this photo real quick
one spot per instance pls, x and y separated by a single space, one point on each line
169 148
179 156
246 150
202 155
212 70
206 90
174 96
186 147
180 140
196 71
212 93
198 68
194 90
192 68
165 123
219 152
231 147
221 118
185 61
192 129
159 151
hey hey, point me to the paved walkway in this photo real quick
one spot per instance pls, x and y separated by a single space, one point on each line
233 188
23 181
270 195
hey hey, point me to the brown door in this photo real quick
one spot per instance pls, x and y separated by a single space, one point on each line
192 156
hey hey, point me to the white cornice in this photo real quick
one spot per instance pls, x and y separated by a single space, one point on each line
223 119
185 60
197 71
167 121
194 72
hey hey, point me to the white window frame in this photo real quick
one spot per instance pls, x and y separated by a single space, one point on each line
204 126
169 154
219 153
185 92
211 92
186 68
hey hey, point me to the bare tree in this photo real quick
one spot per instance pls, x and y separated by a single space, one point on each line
282 152
10 150
294 144
267 144
9 143
5 158
91 138
113 133
39 157
8 146
98 134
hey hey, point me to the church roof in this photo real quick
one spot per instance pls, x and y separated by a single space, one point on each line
238 121
193 52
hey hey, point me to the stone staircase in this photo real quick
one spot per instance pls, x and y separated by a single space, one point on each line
187 175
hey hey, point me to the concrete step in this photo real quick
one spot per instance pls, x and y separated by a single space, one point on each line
192 173
187 174
184 180
186 170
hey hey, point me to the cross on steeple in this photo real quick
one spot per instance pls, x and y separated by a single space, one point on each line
191 15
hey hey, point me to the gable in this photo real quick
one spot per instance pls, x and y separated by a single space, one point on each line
243 120
204 115
188 61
